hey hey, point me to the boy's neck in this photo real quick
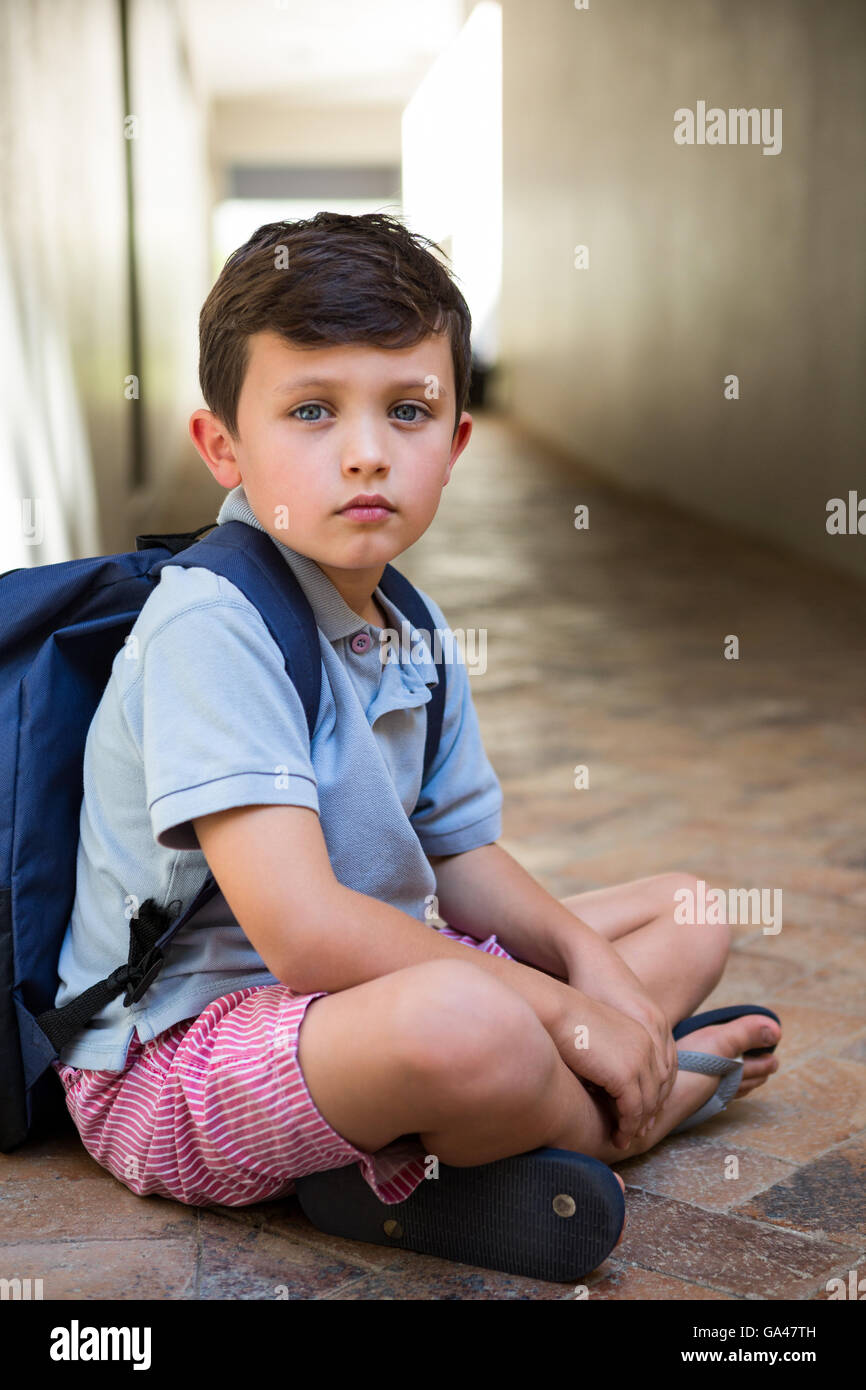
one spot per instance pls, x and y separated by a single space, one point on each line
381 617
357 592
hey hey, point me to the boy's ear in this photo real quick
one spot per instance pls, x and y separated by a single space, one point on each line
459 442
214 443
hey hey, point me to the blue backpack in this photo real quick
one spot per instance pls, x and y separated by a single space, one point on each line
61 627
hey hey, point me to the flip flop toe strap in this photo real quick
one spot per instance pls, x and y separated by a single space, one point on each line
730 1072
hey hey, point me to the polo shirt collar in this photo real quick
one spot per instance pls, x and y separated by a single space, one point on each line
333 615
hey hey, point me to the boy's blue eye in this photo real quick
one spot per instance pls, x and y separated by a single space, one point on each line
312 420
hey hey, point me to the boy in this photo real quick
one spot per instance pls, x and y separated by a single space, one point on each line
309 1017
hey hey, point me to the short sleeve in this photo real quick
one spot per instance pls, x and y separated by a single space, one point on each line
217 719
459 806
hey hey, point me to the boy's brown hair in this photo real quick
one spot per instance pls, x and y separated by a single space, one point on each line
338 279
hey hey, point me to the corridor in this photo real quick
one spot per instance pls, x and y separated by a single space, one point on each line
604 649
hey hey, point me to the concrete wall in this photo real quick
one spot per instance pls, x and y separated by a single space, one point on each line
67 424
704 260
63 320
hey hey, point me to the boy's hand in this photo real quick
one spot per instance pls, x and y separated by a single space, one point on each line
597 970
615 1052
637 1005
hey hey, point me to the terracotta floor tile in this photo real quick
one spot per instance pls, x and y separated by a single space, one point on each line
640 858
99 1208
285 1219
420 1277
856 1050
631 1283
239 1261
693 1169
845 1283
750 978
539 859
819 808
630 825
833 914
800 1112
826 1197
851 958
805 1031
127 1268
829 987
781 860
65 1157
722 1252
787 866
802 943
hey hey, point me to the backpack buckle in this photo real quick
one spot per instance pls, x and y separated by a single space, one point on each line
142 976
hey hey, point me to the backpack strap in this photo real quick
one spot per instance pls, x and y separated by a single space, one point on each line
248 559
149 934
173 541
405 596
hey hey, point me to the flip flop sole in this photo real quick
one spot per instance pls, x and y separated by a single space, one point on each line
548 1214
704 1020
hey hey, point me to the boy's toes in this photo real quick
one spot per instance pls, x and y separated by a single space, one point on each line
759 1067
747 1086
736 1037
751 1031
756 1071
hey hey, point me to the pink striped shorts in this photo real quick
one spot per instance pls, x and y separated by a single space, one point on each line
215 1110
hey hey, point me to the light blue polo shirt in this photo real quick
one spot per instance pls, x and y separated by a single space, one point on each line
198 716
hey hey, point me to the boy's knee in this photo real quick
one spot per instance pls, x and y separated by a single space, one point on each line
461 1026
712 940
716 947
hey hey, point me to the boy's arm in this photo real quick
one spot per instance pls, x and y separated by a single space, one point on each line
482 889
485 890
312 932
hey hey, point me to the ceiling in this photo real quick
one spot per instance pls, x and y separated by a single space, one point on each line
330 52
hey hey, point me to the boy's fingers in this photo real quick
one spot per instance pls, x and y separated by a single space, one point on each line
667 1069
629 1107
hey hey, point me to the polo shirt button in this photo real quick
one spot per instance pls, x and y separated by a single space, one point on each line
361 642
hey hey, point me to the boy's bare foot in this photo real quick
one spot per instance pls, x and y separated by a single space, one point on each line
733 1039
692 1089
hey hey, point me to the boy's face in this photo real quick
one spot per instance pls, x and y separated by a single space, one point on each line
318 426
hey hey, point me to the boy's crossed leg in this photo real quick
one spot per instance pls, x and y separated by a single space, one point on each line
677 963
446 1051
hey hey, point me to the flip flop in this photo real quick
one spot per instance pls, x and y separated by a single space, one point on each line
547 1214
704 1020
729 1069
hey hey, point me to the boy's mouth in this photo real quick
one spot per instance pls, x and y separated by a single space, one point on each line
371 507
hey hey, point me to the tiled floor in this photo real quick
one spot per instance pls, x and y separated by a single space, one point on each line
604 648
